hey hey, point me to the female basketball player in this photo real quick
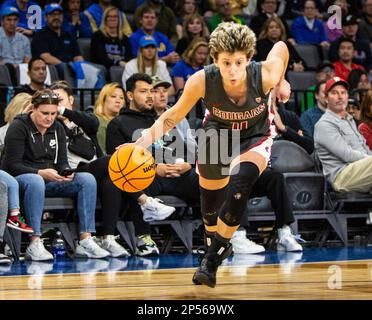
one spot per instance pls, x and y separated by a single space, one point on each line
236 94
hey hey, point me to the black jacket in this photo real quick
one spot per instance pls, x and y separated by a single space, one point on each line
120 129
292 122
88 122
27 151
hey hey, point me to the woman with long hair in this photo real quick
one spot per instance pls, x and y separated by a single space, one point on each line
273 31
365 128
109 45
108 104
20 103
147 62
183 9
193 59
194 26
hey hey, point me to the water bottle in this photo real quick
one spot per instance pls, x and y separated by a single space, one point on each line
58 246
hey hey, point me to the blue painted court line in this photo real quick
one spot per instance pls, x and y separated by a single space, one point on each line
171 261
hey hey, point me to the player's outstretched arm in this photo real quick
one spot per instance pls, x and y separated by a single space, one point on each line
273 70
193 91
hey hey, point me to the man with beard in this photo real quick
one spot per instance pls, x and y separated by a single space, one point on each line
37 71
53 44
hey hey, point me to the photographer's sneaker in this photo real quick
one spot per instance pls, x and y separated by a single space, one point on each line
4 259
241 244
88 248
17 222
145 246
154 210
287 241
37 252
115 249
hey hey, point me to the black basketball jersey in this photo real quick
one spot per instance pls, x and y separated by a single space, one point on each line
252 118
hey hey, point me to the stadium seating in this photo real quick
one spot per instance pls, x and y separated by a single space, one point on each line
310 54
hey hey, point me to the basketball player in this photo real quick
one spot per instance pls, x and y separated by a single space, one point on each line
236 93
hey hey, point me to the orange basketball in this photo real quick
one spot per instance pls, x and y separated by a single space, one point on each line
132 168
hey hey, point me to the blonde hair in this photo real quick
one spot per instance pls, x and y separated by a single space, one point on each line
188 55
141 62
188 19
16 106
106 91
265 29
103 26
231 37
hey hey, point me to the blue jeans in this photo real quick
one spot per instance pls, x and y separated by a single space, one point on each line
34 190
13 190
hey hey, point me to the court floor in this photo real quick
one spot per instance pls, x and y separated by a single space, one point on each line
326 273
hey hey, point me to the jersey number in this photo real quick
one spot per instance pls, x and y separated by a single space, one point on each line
239 125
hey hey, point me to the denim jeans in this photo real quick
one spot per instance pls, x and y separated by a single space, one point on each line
13 190
3 208
34 190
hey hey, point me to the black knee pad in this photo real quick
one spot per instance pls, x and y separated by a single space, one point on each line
238 192
211 201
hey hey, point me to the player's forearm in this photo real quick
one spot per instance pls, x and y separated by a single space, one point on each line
167 121
280 50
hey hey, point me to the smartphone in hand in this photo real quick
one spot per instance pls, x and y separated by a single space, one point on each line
67 172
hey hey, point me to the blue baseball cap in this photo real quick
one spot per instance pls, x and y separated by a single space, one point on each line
8 11
147 41
52 7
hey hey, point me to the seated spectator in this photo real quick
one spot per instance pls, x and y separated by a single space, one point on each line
224 14
176 178
20 103
35 153
239 7
194 27
268 10
166 18
358 79
345 157
324 72
23 23
54 45
112 198
109 46
345 63
37 71
289 128
310 117
14 220
95 12
353 108
365 24
108 104
350 30
75 22
193 59
365 127
147 62
14 46
307 29
183 9
148 20
273 31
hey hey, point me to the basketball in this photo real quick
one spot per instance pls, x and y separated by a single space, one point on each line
132 168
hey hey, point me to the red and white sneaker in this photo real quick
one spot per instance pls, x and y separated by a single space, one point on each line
17 222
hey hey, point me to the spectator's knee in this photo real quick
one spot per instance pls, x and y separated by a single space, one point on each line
86 180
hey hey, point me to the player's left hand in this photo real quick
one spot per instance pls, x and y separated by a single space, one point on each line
283 91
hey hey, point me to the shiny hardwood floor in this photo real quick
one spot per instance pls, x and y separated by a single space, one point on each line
322 280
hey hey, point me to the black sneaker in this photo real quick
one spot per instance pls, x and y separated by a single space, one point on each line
206 273
227 253
5 259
